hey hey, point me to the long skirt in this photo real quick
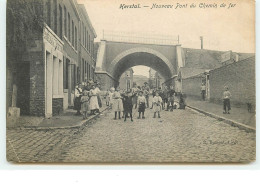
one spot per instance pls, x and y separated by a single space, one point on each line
77 103
93 103
117 105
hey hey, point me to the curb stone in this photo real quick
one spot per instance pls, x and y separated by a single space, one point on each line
225 120
82 123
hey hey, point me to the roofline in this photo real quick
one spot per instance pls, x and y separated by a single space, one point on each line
82 6
216 50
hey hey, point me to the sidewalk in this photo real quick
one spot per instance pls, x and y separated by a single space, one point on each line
240 115
67 119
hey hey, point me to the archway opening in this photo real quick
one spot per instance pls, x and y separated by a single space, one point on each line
141 58
141 76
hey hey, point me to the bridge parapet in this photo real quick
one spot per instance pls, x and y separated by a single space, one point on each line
141 38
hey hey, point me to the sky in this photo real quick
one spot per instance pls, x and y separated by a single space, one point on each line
222 28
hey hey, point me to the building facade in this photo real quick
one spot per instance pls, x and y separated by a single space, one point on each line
47 70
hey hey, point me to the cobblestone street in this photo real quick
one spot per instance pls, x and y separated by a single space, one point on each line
179 136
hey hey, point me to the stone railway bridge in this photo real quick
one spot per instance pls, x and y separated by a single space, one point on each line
114 58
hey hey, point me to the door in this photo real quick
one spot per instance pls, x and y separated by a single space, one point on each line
23 87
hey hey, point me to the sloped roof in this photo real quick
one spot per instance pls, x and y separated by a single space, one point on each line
187 72
207 59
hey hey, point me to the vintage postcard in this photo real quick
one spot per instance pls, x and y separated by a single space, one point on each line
130 81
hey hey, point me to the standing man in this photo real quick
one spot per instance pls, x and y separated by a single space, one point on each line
203 91
226 101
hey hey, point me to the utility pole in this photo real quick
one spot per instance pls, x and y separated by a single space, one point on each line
201 42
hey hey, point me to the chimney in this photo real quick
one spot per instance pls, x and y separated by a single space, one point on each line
201 42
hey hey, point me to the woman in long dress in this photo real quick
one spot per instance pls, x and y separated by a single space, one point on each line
117 103
93 102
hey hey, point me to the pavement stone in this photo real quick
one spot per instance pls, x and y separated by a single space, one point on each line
238 114
179 136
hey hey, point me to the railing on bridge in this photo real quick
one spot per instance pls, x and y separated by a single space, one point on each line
144 38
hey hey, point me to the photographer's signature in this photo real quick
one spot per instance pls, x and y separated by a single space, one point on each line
223 142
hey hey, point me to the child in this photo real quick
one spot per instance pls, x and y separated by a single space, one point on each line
128 105
182 103
141 104
157 102
111 92
84 104
226 101
117 103
107 98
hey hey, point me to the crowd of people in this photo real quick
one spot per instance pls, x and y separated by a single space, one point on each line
122 102
87 98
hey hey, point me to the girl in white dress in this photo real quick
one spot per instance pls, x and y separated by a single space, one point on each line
157 102
93 102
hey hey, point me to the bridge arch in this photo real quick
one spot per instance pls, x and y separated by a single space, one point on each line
141 56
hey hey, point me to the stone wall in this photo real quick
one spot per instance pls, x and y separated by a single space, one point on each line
239 77
191 86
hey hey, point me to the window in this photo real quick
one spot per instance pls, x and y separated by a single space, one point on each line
82 70
76 38
60 22
82 40
55 17
72 28
89 71
93 48
48 13
66 74
86 70
87 41
69 26
85 38
65 21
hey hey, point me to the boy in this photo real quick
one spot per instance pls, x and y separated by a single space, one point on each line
157 102
141 104
128 105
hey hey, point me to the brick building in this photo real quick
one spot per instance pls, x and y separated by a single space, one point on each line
49 66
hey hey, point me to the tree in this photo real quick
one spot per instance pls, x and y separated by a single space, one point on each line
24 17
